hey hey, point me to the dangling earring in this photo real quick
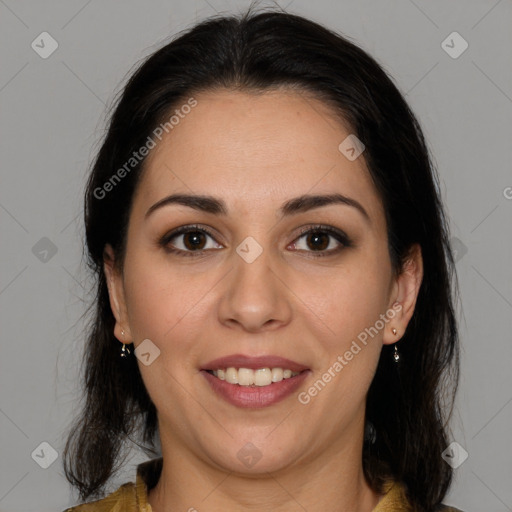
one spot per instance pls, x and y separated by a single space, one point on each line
124 351
396 355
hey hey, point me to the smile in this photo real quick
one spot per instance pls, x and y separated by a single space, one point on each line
254 395
249 377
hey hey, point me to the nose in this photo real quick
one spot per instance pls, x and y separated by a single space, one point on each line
255 297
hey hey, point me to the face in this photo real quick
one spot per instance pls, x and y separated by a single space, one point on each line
260 275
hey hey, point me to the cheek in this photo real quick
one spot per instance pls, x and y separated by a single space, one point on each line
150 302
345 300
350 304
164 306
165 303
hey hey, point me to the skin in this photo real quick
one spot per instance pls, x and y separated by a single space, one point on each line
256 151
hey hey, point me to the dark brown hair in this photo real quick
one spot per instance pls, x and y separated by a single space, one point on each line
408 404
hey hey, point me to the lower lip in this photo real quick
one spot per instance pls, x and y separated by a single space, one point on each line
257 396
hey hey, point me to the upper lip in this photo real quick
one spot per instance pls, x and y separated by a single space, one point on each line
242 361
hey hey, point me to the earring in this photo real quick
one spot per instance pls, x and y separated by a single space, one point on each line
124 351
396 355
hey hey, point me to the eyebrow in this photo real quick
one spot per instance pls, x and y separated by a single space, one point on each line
304 203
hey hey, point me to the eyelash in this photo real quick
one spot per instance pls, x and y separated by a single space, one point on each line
339 235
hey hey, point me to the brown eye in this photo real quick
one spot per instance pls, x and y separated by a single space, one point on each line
318 241
194 240
189 241
323 240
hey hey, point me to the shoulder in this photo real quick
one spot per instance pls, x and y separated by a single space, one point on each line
121 499
396 499
129 497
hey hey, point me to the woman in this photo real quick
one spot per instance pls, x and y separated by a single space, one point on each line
274 283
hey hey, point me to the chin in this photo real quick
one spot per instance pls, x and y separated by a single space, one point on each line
256 457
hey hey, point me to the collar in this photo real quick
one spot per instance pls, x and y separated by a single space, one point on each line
148 474
394 499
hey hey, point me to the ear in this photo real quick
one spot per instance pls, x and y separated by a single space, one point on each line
404 294
116 295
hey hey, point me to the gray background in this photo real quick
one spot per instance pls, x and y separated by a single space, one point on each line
52 117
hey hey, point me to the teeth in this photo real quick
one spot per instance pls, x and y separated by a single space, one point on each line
245 377
249 377
277 374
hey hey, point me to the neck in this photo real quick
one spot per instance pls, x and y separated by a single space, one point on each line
331 481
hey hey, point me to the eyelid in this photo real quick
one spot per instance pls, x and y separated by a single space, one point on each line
341 237
165 239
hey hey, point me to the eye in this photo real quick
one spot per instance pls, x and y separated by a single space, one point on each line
190 240
193 241
324 240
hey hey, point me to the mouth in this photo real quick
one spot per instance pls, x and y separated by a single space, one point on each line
248 377
254 388
254 382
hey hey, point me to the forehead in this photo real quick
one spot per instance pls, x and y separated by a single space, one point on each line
256 148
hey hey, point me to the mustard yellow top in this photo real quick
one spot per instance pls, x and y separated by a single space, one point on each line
133 497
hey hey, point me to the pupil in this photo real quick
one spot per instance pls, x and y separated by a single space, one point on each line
195 238
315 238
